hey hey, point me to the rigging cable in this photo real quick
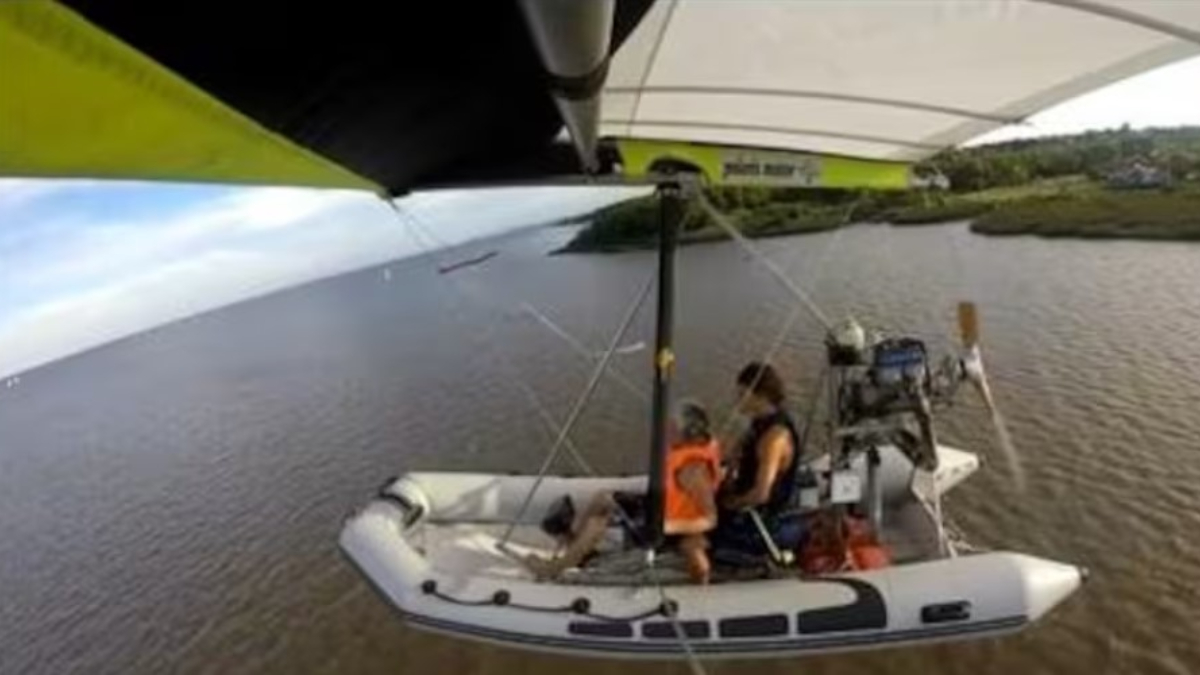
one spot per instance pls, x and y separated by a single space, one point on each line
781 335
669 608
722 221
580 403
564 431
579 348
422 236
563 438
423 233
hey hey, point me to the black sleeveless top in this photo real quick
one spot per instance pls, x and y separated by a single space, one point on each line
780 498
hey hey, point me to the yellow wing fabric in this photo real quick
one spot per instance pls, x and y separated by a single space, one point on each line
723 165
74 101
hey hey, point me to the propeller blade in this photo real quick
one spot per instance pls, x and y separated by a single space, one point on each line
1004 440
968 324
977 376
972 362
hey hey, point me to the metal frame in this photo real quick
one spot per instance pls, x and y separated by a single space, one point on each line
671 210
814 95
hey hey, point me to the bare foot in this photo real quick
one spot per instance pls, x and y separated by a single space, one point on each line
543 569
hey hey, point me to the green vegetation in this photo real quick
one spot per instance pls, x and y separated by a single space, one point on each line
1124 215
944 211
1055 187
1092 155
632 224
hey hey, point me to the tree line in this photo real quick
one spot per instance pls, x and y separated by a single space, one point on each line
1094 154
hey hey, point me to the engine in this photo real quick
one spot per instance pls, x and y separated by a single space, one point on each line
884 390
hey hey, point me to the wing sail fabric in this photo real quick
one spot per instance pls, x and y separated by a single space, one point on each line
878 79
76 102
769 168
399 96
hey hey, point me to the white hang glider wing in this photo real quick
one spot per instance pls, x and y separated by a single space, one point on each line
887 80
287 93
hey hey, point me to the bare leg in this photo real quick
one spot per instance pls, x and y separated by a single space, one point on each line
601 504
694 548
588 530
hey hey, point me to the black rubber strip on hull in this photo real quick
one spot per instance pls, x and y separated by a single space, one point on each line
796 644
868 611
665 630
612 629
668 648
763 625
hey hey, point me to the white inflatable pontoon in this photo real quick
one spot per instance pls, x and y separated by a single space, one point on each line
430 545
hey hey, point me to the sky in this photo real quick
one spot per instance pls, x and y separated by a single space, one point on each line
85 262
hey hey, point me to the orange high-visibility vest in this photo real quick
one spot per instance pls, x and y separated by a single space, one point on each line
679 504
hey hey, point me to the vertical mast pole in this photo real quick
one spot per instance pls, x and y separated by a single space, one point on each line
671 205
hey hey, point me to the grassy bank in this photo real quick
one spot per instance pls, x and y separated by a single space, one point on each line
1171 215
1065 207
633 224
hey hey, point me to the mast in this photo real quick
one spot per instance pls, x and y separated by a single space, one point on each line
671 205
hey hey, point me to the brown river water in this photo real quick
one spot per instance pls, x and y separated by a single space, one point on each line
171 502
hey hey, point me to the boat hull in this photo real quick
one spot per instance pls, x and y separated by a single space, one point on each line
429 545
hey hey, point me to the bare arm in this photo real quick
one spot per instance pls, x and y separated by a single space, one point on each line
773 452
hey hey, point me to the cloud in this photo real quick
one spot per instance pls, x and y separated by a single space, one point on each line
98 249
137 302
85 264
18 192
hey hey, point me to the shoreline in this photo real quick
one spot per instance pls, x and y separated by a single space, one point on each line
1078 209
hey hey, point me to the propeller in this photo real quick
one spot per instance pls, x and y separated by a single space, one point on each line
974 372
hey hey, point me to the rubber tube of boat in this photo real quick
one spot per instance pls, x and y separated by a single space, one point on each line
671 205
874 494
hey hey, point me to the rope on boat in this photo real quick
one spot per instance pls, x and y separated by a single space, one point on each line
580 606
667 608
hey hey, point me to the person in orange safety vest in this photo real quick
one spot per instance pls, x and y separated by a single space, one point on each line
692 476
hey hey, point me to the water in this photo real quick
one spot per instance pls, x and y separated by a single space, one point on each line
171 503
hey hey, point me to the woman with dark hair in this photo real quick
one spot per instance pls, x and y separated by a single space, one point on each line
693 472
764 479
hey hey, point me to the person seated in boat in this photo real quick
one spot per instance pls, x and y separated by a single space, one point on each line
693 472
764 477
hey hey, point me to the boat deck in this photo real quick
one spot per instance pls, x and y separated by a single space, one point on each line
464 541
467 550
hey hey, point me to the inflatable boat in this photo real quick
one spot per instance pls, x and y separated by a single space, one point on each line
430 544
880 566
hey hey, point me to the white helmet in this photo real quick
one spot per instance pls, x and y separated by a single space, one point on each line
847 334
